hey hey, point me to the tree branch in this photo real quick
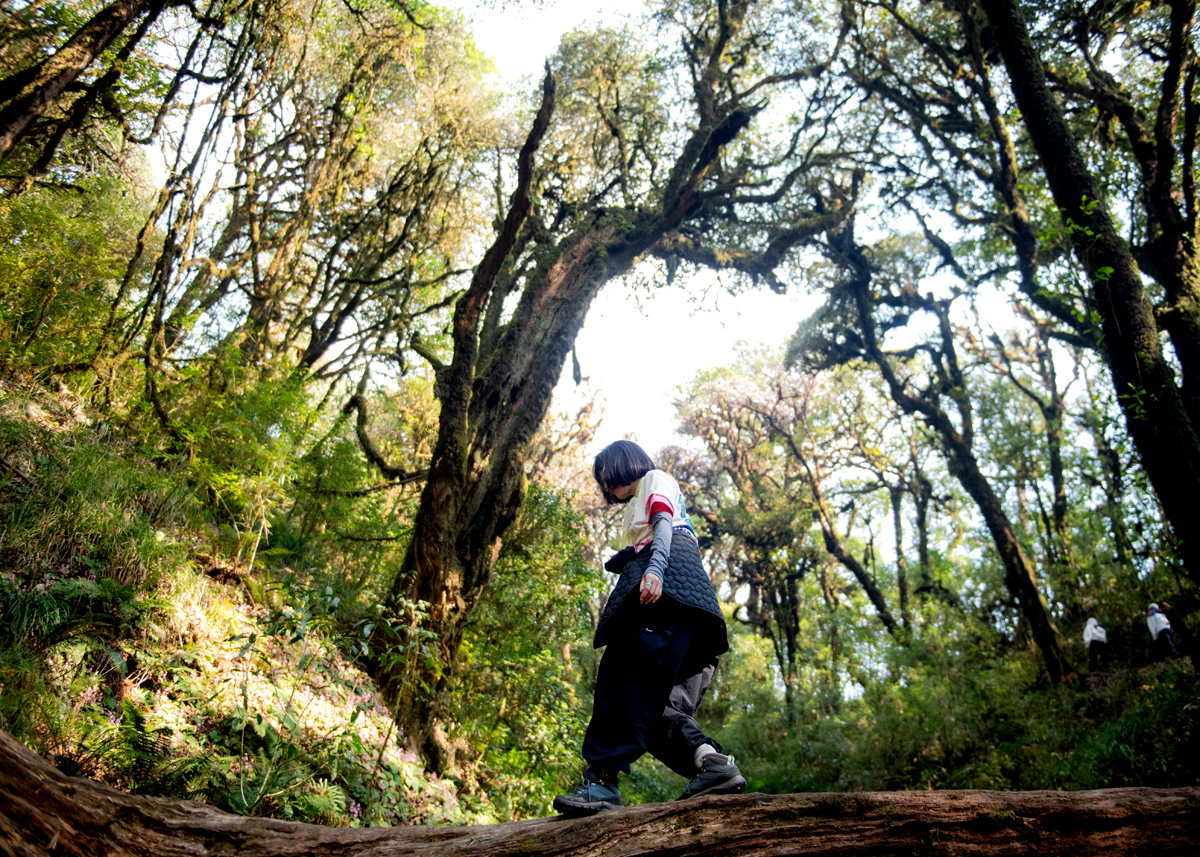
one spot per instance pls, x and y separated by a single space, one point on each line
358 402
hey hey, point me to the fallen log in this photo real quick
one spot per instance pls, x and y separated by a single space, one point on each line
43 812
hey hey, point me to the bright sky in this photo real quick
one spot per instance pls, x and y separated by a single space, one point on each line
634 354
637 357
521 36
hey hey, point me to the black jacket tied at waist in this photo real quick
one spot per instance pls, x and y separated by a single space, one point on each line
686 583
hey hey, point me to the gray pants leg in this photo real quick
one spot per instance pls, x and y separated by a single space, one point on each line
679 735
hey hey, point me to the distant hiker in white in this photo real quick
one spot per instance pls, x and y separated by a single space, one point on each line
1160 631
1095 639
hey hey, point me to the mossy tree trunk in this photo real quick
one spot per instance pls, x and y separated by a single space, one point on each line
44 813
1159 412
31 91
495 390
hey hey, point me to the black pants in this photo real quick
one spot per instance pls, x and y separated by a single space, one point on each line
1166 645
652 678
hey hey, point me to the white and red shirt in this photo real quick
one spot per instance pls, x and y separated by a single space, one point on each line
1156 621
656 492
1093 631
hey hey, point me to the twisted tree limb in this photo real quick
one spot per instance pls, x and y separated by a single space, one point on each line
358 402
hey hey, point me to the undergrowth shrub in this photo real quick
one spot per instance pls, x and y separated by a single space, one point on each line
295 731
272 720
76 502
970 714
85 556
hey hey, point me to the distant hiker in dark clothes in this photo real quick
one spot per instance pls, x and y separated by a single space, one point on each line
1160 631
1095 639
663 630
1181 634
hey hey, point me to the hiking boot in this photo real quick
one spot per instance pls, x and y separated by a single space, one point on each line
594 793
718 776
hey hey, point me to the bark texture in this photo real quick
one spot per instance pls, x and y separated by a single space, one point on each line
43 812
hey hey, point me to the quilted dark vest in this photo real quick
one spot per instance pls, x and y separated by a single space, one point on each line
686 582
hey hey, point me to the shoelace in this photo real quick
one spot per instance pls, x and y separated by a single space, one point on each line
588 780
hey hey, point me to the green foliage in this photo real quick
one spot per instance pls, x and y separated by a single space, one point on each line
344 527
518 704
77 502
951 713
85 550
117 661
300 733
610 115
813 697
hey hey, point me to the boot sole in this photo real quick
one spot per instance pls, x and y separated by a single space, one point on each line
734 786
576 810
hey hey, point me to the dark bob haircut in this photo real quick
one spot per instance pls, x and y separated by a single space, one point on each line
620 463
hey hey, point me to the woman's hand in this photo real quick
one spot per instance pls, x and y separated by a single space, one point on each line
651 588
